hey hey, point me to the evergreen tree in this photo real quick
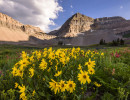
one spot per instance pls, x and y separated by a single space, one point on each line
121 42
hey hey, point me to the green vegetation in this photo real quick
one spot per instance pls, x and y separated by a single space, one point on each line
126 35
118 42
109 72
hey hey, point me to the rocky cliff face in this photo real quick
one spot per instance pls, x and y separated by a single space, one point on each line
7 21
12 30
74 25
110 23
79 23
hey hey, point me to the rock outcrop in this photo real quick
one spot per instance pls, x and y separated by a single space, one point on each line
80 30
74 25
110 23
7 21
12 30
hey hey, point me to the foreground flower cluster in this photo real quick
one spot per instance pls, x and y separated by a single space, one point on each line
61 72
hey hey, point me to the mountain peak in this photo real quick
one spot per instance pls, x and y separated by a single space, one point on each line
75 24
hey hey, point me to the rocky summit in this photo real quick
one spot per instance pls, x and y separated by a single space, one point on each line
79 23
75 24
81 30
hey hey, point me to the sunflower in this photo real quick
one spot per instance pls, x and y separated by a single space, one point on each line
62 86
83 77
90 63
71 86
54 86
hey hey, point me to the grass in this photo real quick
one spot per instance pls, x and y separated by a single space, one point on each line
112 81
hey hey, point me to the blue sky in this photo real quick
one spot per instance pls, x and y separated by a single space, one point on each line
92 8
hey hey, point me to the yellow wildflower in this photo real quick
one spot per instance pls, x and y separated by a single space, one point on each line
31 70
97 84
22 88
90 63
70 86
43 64
16 84
14 71
58 73
49 69
22 91
56 67
38 55
19 73
44 79
54 86
23 96
62 86
24 54
80 67
33 93
51 55
83 77
91 71
102 54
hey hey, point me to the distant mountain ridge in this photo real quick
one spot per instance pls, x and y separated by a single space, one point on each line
78 30
79 23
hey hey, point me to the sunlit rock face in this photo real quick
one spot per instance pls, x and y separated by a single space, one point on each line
74 25
12 30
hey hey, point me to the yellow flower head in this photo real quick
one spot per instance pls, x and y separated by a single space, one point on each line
97 84
22 88
24 54
16 85
31 70
90 63
70 86
80 67
102 54
62 86
58 73
54 86
19 73
23 96
91 71
43 65
14 71
83 77
33 93
49 69
43 79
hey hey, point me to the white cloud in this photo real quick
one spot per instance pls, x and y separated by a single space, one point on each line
71 6
1 1
35 12
121 7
